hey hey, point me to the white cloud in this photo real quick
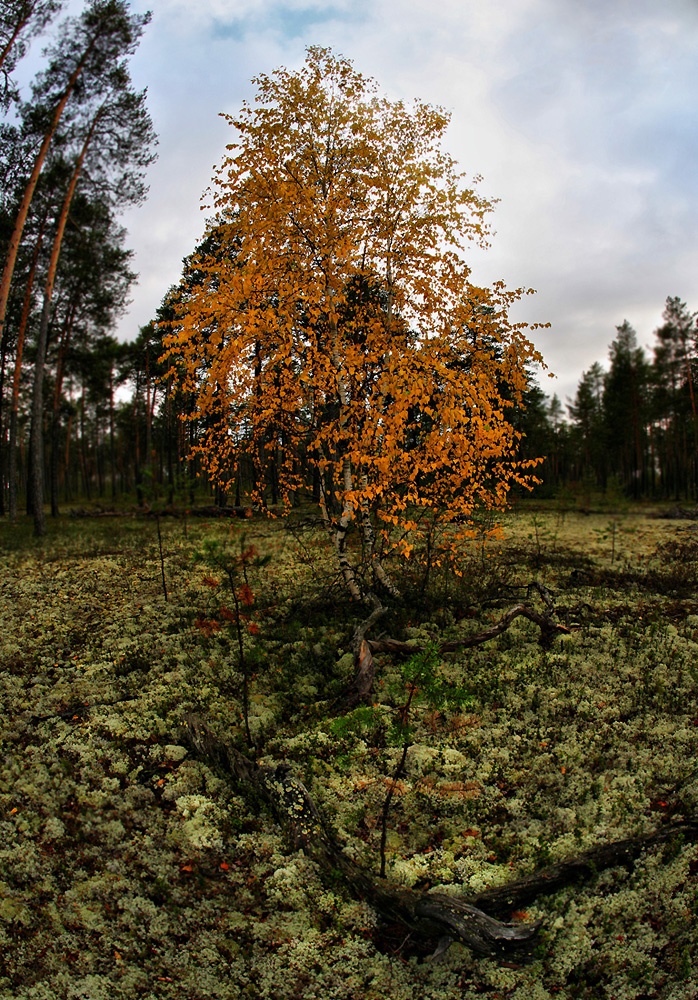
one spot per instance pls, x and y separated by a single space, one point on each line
580 116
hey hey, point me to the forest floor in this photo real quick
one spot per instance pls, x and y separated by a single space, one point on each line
129 868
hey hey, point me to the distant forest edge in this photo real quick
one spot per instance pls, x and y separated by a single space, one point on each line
116 433
84 417
632 427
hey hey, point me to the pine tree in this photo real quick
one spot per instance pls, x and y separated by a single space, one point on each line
675 422
20 21
113 147
626 411
80 69
588 430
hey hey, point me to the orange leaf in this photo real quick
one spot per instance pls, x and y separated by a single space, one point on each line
207 626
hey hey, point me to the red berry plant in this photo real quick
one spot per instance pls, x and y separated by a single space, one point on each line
233 559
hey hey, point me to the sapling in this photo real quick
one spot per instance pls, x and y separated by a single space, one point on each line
609 532
421 683
148 497
234 565
162 556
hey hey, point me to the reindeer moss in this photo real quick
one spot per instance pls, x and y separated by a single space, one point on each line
131 869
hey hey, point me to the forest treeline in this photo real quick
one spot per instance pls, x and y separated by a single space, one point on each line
632 426
73 156
85 417
117 431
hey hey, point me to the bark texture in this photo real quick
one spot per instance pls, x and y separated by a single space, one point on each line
435 918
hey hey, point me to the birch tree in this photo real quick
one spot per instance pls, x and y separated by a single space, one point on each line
336 322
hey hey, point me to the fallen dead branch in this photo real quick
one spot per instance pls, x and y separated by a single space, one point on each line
426 915
365 649
553 877
430 916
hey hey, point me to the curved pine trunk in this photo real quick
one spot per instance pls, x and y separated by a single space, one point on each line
23 211
36 435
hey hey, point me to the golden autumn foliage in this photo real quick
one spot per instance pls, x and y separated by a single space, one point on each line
329 326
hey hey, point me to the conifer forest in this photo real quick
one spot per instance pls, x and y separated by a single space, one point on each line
337 659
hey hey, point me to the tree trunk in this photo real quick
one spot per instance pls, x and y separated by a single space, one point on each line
55 414
23 211
21 24
338 536
138 478
36 434
37 462
17 377
347 515
3 436
370 548
3 432
67 491
112 445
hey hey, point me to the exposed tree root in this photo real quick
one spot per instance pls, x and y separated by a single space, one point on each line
364 649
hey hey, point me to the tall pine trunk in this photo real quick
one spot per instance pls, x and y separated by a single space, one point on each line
37 450
17 377
55 414
23 210
112 446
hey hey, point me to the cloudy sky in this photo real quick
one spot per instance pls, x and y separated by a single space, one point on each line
581 116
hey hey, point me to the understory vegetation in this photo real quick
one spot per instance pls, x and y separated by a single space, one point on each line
132 868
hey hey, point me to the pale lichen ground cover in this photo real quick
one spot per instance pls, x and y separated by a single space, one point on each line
130 869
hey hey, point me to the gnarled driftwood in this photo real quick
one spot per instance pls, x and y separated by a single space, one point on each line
425 915
434 917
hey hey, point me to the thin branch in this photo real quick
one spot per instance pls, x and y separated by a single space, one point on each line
548 629
364 649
